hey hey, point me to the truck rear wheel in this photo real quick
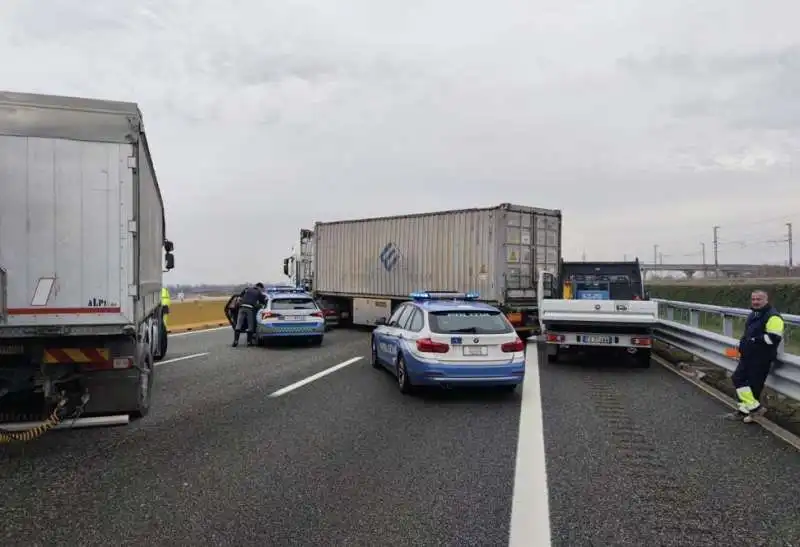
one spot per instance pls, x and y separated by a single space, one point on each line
642 358
144 387
162 342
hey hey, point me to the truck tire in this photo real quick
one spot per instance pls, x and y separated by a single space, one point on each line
144 386
642 358
163 342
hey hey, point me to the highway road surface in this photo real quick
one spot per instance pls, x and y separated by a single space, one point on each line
240 450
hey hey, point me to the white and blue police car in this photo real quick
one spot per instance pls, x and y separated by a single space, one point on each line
290 313
449 339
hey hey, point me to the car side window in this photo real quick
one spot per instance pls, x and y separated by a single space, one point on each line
402 322
396 315
416 322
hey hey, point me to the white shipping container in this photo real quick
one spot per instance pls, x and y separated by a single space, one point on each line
81 214
491 251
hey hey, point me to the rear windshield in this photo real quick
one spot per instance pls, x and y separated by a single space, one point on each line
469 322
293 304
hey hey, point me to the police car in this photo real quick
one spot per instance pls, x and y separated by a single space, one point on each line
290 313
448 339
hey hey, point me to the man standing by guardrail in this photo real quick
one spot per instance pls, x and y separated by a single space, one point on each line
758 349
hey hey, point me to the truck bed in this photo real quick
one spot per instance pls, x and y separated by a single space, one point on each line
608 312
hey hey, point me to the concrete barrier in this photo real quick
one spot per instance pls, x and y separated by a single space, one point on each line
197 314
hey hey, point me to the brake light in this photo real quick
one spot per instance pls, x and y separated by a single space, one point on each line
515 346
641 341
426 345
316 314
555 337
267 315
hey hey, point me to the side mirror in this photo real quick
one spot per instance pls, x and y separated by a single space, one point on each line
286 267
168 246
380 321
169 258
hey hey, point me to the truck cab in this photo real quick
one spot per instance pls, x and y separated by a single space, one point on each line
597 307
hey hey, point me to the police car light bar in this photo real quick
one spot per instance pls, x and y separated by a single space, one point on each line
444 295
284 289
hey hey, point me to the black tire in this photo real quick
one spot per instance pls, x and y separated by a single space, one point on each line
144 387
554 358
316 341
508 388
403 383
163 340
642 358
374 354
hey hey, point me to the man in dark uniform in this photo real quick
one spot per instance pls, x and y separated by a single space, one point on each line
758 349
250 300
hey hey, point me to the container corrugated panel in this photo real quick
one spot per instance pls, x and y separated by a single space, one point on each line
482 250
64 241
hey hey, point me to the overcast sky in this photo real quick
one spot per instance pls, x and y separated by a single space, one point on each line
646 123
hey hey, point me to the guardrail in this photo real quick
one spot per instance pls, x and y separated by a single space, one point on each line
712 332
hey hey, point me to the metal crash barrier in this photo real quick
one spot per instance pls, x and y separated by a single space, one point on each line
711 333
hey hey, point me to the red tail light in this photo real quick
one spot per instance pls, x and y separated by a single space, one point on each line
317 314
426 345
267 315
555 337
515 346
641 341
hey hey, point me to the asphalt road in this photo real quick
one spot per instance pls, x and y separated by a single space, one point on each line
634 457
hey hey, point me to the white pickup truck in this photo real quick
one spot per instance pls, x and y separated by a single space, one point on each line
596 307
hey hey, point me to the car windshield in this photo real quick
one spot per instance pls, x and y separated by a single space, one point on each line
293 304
469 322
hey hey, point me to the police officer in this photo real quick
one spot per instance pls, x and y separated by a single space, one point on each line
758 348
250 300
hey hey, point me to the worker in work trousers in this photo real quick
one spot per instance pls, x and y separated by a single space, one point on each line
758 349
250 300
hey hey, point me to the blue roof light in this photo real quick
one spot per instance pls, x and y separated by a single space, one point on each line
444 295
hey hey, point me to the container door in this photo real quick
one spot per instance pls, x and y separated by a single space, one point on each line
547 247
519 247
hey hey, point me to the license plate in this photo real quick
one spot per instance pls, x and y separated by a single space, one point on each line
293 317
475 350
596 339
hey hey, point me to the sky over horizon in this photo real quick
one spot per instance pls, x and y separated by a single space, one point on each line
645 124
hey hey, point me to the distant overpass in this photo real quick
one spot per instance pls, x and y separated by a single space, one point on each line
730 270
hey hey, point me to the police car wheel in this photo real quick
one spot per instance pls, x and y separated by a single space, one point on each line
374 355
403 383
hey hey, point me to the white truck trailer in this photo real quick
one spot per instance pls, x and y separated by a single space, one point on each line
364 268
82 243
597 307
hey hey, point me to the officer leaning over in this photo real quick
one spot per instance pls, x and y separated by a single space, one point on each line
758 349
250 300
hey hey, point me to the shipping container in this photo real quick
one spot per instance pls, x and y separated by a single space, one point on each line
495 251
81 214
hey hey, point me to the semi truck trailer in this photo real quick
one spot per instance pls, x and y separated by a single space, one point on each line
364 268
82 252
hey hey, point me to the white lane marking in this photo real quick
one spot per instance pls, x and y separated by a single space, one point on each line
187 333
530 511
183 358
317 376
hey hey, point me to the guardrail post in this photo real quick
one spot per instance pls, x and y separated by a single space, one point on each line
670 313
727 325
694 318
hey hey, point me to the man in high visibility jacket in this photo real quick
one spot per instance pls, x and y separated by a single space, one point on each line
165 302
758 349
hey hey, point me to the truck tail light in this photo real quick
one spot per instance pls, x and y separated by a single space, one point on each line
555 338
426 345
642 341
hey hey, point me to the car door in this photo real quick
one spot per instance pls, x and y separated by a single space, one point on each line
385 334
396 333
